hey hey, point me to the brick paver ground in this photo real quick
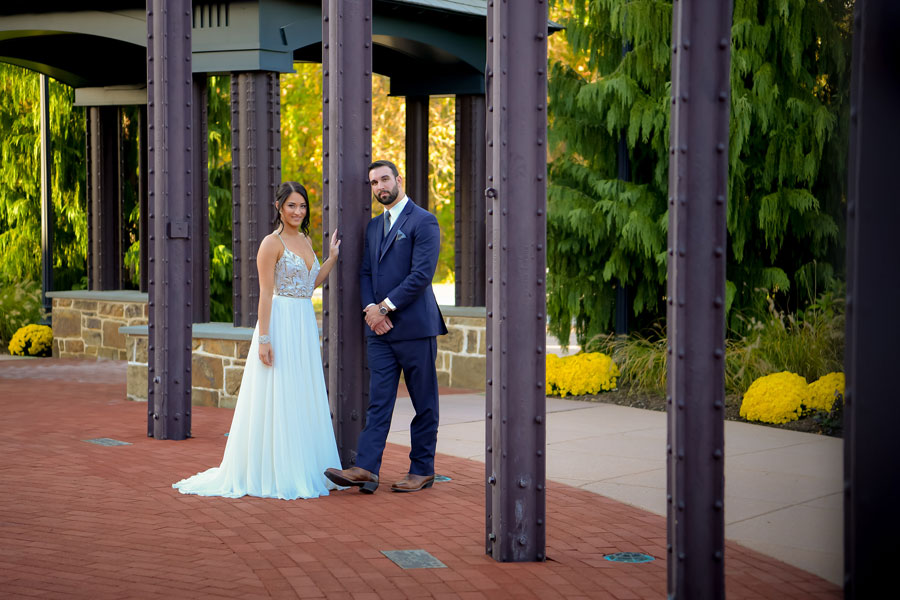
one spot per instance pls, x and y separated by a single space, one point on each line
79 520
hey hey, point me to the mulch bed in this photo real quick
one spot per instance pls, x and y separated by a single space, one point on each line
625 397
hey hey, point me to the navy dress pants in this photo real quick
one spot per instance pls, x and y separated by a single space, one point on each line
415 359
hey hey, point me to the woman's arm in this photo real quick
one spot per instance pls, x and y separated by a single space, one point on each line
268 255
325 267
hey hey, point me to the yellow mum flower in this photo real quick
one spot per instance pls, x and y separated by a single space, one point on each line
824 390
775 398
32 340
581 374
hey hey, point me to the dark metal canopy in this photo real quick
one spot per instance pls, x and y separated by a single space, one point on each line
426 47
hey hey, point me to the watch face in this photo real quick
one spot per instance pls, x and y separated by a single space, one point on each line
382 310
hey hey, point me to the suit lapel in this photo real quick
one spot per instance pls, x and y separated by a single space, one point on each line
395 229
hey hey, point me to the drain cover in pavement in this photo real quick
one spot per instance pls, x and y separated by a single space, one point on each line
629 557
107 442
414 559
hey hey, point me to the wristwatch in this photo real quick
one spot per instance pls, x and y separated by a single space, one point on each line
382 309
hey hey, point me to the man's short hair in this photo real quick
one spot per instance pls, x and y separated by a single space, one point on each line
384 163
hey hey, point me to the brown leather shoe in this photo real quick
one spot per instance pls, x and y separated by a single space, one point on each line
354 477
413 483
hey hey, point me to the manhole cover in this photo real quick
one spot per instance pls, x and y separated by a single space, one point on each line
629 557
414 559
107 442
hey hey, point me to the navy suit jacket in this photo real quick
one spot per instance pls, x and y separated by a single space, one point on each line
401 267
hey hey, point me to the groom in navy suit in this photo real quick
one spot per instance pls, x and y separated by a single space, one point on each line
400 256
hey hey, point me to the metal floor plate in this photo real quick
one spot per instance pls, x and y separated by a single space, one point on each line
629 557
414 559
107 442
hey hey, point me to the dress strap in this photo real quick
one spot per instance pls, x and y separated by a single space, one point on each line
282 241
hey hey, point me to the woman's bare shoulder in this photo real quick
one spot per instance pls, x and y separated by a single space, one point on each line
271 245
271 239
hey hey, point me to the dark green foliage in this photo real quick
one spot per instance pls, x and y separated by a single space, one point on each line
130 189
831 422
790 81
219 164
20 187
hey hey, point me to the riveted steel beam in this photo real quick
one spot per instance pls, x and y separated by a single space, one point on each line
871 412
255 173
200 207
698 188
170 160
416 182
469 227
47 219
105 256
516 323
347 206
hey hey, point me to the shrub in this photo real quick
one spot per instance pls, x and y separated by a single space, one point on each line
810 343
32 340
824 391
775 398
20 304
580 374
641 360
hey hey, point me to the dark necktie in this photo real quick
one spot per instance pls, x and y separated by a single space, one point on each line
387 222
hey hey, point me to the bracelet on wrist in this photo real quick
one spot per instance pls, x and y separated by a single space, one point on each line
264 339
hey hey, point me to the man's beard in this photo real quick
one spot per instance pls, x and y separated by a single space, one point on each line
392 195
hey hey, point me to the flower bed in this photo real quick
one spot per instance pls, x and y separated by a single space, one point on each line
579 374
785 396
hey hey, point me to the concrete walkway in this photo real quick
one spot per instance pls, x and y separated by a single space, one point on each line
82 520
782 488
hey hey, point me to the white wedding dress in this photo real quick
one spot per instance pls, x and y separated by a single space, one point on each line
281 439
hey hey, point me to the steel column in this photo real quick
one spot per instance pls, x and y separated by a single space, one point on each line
255 173
516 331
200 208
416 182
47 219
347 205
143 212
470 183
170 159
105 255
698 187
871 412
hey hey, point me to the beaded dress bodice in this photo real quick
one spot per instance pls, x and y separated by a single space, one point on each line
292 278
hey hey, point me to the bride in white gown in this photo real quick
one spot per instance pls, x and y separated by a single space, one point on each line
281 439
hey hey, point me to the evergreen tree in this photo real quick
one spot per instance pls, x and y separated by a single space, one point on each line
789 98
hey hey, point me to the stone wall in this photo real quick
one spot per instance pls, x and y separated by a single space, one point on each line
461 353
217 364
220 352
86 324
